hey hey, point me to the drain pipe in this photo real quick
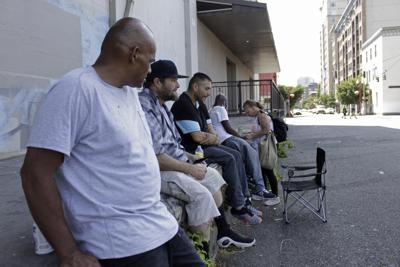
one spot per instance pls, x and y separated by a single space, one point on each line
128 7
112 10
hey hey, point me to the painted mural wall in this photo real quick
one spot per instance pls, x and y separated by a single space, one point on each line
41 41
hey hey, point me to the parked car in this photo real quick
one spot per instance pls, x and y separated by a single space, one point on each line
296 111
320 110
330 111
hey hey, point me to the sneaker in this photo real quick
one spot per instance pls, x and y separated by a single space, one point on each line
263 195
229 237
247 216
272 201
255 211
249 206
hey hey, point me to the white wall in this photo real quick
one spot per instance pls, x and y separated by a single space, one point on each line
40 42
381 13
373 68
391 64
383 71
213 54
167 21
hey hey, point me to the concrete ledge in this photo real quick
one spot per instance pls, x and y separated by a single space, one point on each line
391 113
13 154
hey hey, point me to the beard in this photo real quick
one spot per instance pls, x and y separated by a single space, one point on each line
171 97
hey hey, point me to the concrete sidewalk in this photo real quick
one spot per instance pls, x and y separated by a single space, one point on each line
363 196
16 247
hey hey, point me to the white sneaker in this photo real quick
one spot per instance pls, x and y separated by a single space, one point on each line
272 201
42 247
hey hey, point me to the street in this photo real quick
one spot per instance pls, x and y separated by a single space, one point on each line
362 202
362 198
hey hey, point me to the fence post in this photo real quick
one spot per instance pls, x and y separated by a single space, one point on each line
271 93
240 97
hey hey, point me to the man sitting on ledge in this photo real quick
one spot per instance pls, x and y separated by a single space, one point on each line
202 184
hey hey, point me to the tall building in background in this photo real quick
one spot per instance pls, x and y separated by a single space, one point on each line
359 21
331 10
309 85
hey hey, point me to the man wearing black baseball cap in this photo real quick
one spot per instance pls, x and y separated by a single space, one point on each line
201 184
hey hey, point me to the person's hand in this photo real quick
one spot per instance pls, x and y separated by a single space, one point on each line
198 171
248 136
79 259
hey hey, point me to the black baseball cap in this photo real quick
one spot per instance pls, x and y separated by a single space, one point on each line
164 69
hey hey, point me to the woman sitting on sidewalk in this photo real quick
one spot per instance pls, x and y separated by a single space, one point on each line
262 125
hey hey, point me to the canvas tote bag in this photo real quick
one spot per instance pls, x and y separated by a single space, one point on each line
268 152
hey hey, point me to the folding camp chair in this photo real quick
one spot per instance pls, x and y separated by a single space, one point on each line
298 185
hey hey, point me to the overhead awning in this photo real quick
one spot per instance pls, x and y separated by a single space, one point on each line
244 27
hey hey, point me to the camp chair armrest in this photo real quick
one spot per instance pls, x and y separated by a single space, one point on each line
299 168
308 175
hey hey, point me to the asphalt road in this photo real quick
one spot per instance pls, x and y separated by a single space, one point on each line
362 202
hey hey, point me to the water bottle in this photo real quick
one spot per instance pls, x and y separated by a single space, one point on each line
240 130
199 152
42 247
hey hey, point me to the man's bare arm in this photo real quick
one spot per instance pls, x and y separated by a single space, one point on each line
44 202
204 138
168 163
228 128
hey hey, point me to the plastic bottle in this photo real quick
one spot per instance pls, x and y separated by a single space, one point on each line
199 152
42 247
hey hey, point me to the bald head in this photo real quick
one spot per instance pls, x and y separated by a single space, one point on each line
127 51
124 34
220 100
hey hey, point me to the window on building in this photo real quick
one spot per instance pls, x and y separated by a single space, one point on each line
370 53
376 51
376 99
366 56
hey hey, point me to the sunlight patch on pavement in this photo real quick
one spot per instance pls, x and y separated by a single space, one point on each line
337 120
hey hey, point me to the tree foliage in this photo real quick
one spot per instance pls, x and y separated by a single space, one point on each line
328 100
297 91
345 91
310 102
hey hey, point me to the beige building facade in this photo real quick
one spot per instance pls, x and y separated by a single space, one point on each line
44 39
331 11
358 22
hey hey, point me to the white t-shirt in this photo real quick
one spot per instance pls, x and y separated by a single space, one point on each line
110 180
219 114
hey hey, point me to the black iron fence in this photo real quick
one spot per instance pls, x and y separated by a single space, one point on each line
237 92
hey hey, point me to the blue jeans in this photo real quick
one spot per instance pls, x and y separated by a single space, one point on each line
177 252
233 172
250 158
269 174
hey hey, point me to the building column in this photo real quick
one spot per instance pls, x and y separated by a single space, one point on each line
191 45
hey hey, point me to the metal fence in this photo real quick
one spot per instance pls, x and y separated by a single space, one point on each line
237 92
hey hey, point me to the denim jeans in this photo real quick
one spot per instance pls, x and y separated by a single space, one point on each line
268 174
177 252
233 172
250 158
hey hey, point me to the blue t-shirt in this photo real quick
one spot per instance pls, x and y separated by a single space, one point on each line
190 118
109 181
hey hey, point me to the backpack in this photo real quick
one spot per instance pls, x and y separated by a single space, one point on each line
280 129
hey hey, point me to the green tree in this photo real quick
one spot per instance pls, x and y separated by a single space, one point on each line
346 91
310 102
297 92
328 100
